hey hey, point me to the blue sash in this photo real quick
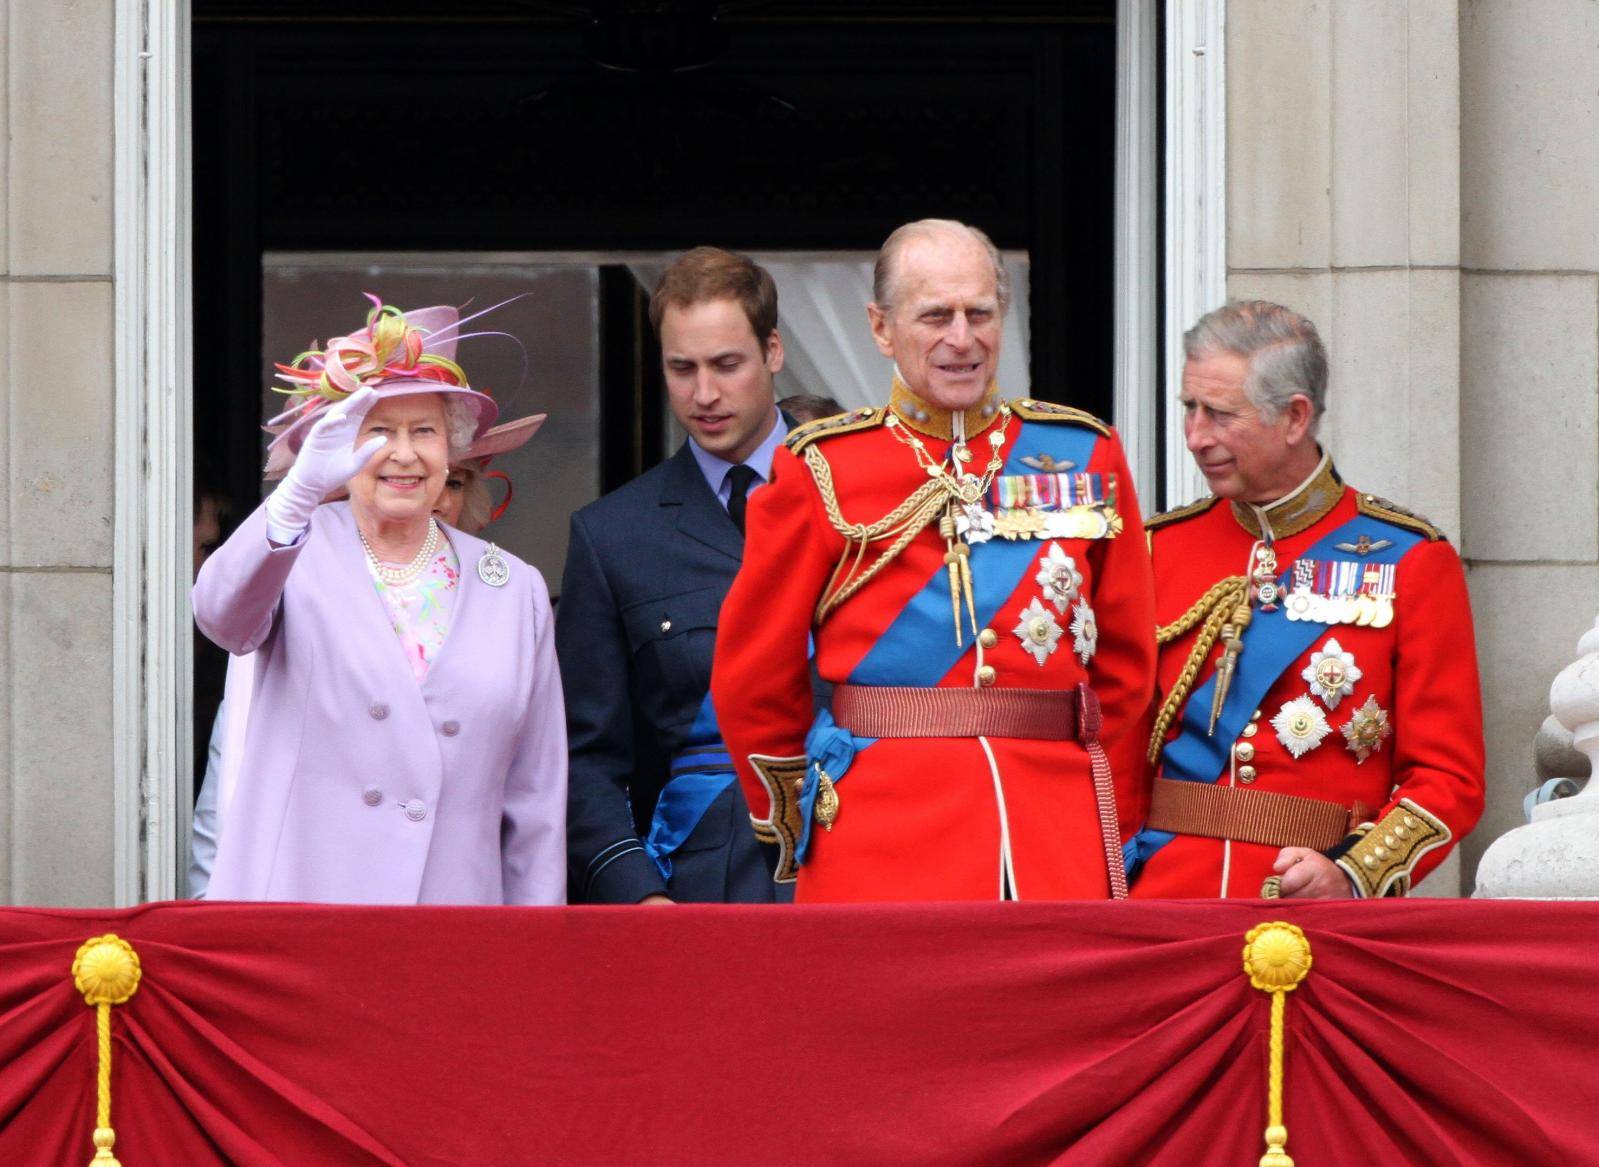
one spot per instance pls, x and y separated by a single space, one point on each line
1272 643
918 648
700 772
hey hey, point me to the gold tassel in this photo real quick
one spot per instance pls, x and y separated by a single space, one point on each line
1232 635
1276 960
965 554
106 971
952 561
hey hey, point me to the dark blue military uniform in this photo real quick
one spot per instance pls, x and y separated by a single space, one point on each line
654 806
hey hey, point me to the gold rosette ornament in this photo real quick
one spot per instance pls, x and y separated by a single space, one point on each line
1276 959
106 971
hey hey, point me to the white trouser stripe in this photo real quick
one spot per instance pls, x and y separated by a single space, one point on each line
1007 869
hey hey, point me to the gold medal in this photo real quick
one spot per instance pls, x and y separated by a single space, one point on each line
1385 613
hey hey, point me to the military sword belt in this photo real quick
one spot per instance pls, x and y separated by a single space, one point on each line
1247 816
876 711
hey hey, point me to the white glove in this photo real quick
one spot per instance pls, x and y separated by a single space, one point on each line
327 460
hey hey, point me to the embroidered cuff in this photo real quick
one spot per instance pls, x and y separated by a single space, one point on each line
782 778
1381 861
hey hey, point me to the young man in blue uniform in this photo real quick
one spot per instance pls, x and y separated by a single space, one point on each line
655 813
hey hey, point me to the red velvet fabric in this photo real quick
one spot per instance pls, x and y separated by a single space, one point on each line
1428 1032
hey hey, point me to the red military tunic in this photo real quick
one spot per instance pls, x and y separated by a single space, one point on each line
1387 726
920 818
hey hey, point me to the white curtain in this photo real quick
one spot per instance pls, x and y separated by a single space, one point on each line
821 302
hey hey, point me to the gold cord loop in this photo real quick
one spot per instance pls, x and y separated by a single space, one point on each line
1276 960
938 499
1212 610
106 971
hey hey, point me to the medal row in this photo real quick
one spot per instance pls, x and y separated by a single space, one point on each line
1342 592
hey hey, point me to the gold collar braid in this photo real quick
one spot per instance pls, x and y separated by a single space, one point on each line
934 422
1298 510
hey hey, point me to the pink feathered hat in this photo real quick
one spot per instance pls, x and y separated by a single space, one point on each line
397 353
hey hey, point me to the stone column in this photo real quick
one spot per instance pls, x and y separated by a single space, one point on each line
56 453
1556 855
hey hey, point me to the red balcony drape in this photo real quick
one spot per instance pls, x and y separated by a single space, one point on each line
1428 1032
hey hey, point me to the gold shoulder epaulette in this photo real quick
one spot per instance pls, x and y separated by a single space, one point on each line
1392 512
847 422
1029 409
1177 514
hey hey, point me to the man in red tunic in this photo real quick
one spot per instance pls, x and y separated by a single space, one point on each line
973 575
1319 731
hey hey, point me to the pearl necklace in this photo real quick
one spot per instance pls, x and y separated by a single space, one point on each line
400 576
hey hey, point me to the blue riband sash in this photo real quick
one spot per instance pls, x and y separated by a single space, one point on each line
700 772
1272 643
918 648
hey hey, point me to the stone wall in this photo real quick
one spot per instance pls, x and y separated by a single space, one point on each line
1529 200
1421 178
56 452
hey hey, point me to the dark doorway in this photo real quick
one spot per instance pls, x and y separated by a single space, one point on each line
489 126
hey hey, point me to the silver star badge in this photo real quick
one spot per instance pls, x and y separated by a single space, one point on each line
1059 577
1038 630
1085 632
1367 729
1300 726
1332 673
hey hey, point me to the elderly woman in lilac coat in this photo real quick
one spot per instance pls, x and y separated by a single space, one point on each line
406 739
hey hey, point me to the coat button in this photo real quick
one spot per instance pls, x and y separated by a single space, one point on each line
1246 773
988 638
379 711
450 728
372 796
1245 751
416 810
986 675
1251 729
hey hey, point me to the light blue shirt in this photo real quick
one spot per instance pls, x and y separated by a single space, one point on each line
715 469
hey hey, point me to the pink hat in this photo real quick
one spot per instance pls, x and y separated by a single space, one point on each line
504 438
397 353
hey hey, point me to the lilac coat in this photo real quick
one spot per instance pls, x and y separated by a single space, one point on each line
359 785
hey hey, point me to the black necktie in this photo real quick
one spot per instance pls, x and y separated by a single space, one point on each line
739 481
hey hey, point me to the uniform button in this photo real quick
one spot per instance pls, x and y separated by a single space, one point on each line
416 810
1380 852
1251 729
372 796
1369 861
1410 822
1402 832
379 711
1246 773
986 675
1255 716
1245 752
988 638
450 728
1390 841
